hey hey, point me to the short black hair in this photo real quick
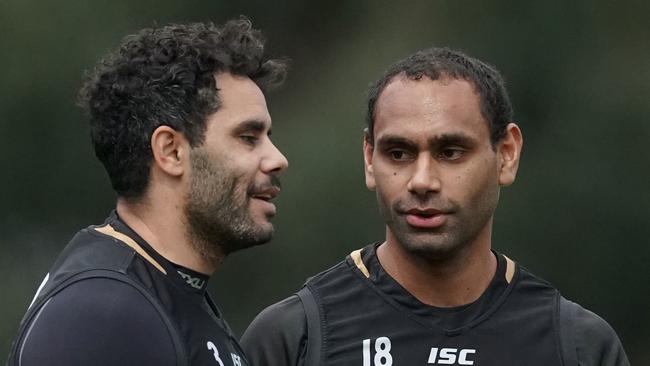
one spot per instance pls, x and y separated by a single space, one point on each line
436 63
165 76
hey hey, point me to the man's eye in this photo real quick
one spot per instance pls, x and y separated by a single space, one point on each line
250 139
399 155
451 154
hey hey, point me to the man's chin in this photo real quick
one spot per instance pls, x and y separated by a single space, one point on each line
262 235
434 247
264 228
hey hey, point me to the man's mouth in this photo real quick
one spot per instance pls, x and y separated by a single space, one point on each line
264 197
423 211
266 194
425 218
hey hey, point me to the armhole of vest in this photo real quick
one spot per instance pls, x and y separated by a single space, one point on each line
567 332
20 343
217 312
314 334
181 359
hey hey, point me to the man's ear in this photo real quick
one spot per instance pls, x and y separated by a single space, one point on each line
169 148
509 152
368 149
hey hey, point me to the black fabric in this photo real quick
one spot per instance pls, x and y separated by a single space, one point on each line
446 318
567 335
98 321
106 305
518 324
596 343
278 336
314 325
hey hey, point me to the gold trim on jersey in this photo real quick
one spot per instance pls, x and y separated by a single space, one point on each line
356 257
108 230
510 269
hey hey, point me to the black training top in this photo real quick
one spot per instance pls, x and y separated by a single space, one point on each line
110 299
356 314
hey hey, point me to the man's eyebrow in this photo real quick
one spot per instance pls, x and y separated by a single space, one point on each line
251 125
438 140
392 140
451 139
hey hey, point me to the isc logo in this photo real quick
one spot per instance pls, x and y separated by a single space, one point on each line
450 356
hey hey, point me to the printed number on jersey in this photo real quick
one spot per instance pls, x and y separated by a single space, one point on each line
236 359
381 357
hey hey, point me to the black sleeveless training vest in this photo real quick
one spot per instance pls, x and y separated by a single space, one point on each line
114 251
352 322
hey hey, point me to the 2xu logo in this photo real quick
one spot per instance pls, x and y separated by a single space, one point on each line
195 282
450 356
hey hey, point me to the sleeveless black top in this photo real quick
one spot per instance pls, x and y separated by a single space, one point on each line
356 314
110 299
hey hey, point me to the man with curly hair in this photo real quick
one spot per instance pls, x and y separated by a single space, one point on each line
179 120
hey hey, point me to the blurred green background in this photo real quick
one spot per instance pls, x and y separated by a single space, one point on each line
578 73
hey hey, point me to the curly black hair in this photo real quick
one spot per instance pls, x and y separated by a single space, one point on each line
436 63
165 76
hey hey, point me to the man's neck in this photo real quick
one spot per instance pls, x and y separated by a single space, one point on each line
163 229
450 282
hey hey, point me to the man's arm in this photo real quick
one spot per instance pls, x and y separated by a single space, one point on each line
595 342
278 335
97 322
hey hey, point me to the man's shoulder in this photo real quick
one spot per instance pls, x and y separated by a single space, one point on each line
282 332
89 254
592 340
587 321
99 321
108 298
330 273
573 315
291 309
585 336
91 249
287 311
277 335
101 251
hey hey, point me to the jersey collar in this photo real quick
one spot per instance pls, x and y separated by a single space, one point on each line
453 319
184 277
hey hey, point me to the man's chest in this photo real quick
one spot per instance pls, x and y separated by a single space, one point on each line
404 345
206 337
209 344
367 330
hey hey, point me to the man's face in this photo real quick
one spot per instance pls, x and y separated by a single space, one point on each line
432 165
234 174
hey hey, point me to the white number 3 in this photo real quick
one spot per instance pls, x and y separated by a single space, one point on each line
215 352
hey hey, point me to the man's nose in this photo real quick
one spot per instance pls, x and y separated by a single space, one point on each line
275 162
424 178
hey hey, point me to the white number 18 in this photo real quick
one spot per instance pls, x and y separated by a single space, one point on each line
382 352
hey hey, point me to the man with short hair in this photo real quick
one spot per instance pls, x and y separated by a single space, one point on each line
180 122
439 146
